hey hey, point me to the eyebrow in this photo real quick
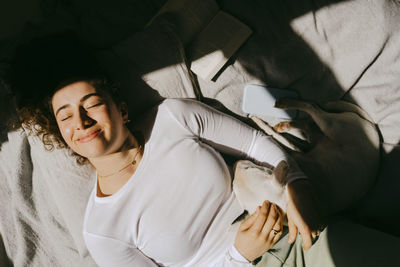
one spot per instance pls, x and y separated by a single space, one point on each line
83 99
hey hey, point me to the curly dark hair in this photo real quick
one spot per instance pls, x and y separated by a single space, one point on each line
39 69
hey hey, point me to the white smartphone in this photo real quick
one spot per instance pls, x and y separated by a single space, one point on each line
260 100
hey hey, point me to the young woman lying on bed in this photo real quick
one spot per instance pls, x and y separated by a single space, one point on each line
163 194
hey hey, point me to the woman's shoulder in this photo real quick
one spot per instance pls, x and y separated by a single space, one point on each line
178 107
178 104
184 111
168 110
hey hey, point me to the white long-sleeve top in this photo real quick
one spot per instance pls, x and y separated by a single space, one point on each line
177 207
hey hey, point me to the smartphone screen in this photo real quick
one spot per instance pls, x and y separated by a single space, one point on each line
260 100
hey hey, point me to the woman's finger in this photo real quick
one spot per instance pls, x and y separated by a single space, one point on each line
261 217
292 231
306 236
279 223
248 222
273 216
277 236
280 211
276 230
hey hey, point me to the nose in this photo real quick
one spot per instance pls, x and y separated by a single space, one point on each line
83 121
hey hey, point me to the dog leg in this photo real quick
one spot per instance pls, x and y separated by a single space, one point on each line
288 103
343 106
329 123
277 136
356 122
301 125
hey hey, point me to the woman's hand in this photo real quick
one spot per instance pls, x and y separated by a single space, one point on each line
259 232
303 213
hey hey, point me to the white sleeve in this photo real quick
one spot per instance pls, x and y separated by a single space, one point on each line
232 258
231 136
235 254
109 252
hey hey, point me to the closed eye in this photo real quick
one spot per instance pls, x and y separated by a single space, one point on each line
95 105
65 118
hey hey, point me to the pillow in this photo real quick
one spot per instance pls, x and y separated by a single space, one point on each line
3 254
150 65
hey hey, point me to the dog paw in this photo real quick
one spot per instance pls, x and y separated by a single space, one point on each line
282 127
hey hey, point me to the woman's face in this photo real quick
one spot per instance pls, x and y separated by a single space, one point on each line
90 122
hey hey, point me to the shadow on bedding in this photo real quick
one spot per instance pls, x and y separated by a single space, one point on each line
379 209
4 260
7 107
355 245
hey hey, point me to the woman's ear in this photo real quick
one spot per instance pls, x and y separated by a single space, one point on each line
124 111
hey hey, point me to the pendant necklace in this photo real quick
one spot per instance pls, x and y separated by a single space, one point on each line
133 163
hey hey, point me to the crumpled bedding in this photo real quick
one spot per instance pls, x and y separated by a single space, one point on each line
42 198
325 50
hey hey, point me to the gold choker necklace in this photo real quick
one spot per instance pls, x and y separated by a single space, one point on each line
133 163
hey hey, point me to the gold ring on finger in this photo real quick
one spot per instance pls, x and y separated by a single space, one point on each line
276 231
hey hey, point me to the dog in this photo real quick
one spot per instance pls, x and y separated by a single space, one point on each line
338 150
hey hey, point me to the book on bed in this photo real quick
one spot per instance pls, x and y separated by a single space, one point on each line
217 42
210 35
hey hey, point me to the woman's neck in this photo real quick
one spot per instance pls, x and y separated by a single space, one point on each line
113 162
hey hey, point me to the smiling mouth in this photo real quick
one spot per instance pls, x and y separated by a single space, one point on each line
88 137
